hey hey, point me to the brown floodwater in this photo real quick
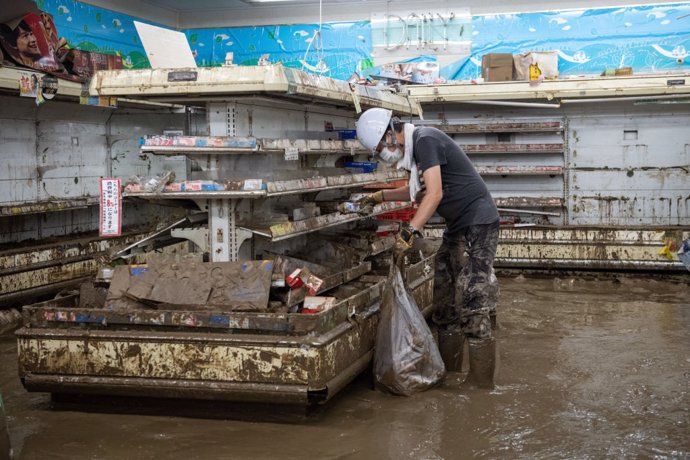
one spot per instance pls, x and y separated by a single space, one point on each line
589 368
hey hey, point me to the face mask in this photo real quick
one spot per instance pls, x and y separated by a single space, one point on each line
391 156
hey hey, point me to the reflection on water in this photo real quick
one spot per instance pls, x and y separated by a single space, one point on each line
588 368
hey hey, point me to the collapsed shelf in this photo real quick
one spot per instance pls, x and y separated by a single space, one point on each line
208 83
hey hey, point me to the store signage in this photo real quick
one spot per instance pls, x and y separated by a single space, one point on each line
111 208
401 36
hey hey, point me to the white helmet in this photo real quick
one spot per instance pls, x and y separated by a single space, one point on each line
372 125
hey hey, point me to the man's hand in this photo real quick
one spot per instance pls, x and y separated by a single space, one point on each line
406 238
371 199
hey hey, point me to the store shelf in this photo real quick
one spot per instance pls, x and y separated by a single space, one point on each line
9 80
279 188
40 207
285 230
210 145
647 85
282 187
223 194
207 83
520 171
529 202
511 127
512 148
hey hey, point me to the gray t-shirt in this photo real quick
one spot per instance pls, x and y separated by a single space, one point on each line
466 200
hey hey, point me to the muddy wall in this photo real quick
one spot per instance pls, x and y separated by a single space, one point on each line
54 155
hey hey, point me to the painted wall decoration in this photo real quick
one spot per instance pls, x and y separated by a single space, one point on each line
335 50
646 38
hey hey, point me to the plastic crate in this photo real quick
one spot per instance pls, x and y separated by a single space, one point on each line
344 134
404 215
357 167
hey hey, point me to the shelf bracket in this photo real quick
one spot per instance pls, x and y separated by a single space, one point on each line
197 235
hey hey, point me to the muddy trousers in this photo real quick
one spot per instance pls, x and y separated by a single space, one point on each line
465 296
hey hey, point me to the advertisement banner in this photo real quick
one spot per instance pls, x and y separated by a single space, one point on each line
32 42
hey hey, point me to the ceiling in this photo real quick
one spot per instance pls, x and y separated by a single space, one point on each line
182 14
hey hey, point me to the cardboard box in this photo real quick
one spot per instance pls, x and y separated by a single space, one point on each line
497 67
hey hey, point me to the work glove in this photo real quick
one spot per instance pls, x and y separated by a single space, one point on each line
405 239
371 199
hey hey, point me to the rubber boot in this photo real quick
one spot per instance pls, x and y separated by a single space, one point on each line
450 345
482 362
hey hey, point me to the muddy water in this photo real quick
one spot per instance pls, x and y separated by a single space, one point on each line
588 369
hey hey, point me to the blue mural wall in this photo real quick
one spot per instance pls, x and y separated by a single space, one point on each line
336 49
646 38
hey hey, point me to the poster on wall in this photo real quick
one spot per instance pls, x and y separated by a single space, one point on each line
111 208
38 86
28 84
32 42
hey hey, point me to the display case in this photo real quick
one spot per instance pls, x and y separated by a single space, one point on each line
269 181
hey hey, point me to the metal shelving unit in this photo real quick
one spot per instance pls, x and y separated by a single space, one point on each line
274 353
525 159
235 83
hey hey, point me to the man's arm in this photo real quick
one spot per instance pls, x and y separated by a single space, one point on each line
397 194
431 200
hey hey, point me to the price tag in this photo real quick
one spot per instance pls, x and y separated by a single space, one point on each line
110 223
291 154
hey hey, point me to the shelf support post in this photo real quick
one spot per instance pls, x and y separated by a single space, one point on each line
225 238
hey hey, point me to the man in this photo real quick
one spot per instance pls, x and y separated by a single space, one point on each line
464 261
26 44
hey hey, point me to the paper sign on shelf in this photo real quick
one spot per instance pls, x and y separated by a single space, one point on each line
291 154
111 208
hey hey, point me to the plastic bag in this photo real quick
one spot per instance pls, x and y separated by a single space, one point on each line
150 184
406 358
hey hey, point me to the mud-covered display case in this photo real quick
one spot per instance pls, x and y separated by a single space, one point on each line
278 299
